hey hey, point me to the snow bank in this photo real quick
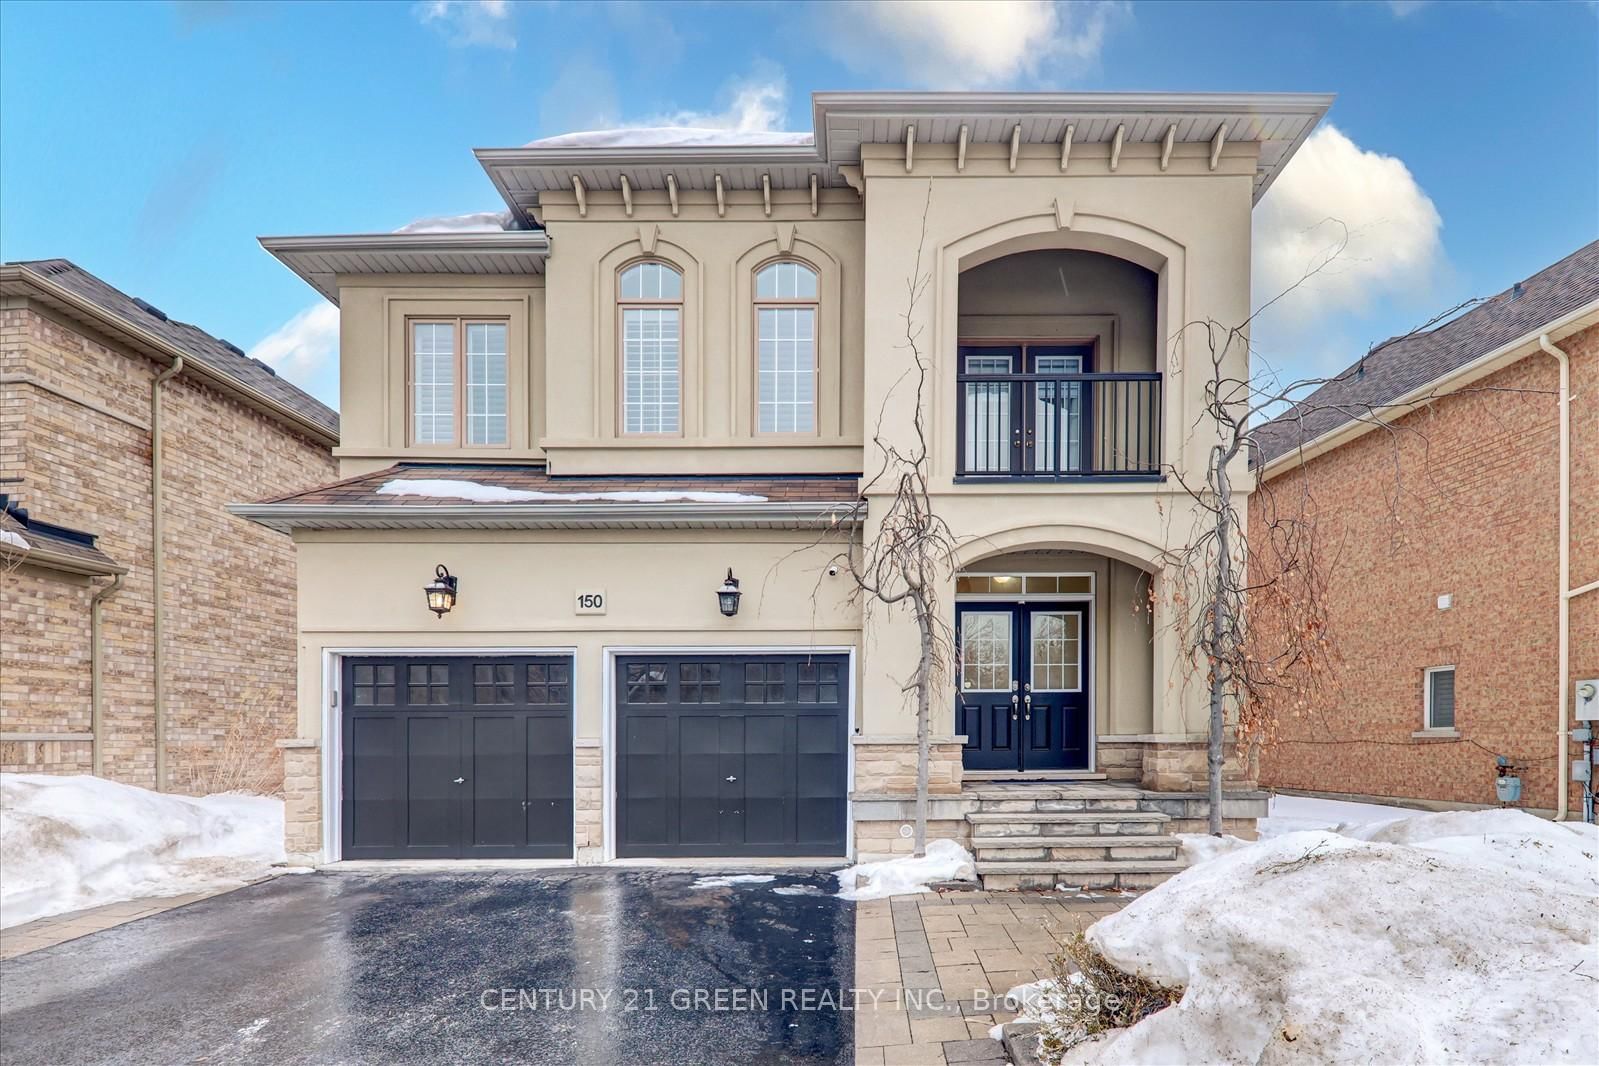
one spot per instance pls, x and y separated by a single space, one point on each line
945 861
73 842
1458 937
444 488
675 137
1291 814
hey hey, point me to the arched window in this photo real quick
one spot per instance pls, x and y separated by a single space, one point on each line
785 330
650 295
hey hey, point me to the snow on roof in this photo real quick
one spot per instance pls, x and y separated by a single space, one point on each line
479 493
16 540
472 222
674 137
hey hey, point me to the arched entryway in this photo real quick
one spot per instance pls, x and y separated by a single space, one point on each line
1053 651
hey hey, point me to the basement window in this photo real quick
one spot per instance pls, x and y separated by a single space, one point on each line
1440 697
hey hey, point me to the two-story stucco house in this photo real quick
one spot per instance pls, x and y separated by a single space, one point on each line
673 368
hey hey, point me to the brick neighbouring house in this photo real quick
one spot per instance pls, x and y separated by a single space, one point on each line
79 362
1460 500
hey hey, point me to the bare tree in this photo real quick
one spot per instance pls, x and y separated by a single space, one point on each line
1250 605
907 559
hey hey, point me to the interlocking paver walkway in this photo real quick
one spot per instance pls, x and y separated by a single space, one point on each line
933 968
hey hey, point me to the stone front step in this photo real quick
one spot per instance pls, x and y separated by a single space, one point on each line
1078 848
1027 824
1089 874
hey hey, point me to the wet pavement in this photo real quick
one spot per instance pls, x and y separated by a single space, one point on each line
581 966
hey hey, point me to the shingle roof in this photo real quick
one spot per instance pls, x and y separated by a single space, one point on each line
192 341
1398 367
53 546
363 490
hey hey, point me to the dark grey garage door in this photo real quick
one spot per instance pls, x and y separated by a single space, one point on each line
450 757
731 755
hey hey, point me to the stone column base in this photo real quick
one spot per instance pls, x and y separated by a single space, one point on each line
588 802
884 794
1184 767
302 800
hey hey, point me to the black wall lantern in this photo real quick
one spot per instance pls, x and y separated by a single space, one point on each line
441 591
727 596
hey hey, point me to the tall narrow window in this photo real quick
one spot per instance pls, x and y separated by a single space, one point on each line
1440 697
785 317
459 383
433 382
485 383
651 299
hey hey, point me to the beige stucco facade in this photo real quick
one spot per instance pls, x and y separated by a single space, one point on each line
1119 250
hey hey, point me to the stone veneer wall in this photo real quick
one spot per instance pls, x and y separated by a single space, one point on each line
588 802
74 427
1184 767
885 796
302 797
888 768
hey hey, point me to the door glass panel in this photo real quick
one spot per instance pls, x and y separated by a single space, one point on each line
1057 414
985 651
988 415
1057 650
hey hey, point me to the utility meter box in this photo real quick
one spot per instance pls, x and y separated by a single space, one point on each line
1588 700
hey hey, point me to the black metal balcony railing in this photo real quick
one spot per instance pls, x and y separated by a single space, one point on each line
1058 425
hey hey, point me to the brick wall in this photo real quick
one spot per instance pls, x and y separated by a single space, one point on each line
1470 511
230 597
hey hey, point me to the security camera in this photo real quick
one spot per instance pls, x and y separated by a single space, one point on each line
832 571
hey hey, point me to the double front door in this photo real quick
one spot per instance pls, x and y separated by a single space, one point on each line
1022 699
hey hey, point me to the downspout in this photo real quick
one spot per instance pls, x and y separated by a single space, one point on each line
96 693
1563 639
158 572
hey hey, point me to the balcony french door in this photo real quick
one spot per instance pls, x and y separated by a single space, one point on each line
1038 410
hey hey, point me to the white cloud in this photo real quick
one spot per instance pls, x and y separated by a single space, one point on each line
304 345
1405 8
757 105
1393 250
974 43
469 22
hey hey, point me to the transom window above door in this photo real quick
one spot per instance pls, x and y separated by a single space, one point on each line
459 384
650 296
785 320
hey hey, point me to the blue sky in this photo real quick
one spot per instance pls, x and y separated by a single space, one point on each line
153 142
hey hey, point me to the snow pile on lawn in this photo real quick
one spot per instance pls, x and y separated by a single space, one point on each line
73 842
675 137
945 861
1291 814
1458 937
445 488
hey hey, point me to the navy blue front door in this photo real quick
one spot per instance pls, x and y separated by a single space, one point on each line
1022 685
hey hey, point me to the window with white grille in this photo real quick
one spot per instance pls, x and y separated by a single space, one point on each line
651 299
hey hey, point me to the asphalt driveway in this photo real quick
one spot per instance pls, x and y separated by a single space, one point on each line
590 966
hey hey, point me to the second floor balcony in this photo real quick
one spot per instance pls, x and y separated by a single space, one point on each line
1032 412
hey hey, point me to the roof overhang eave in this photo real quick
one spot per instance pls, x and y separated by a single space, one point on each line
285 517
490 244
60 561
1573 321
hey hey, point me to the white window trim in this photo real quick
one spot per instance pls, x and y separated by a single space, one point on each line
1426 702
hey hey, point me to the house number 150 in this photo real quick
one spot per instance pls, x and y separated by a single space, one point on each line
591 602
